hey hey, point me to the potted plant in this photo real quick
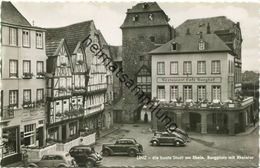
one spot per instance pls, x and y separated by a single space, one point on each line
204 103
27 75
27 104
40 75
179 102
80 62
62 89
58 114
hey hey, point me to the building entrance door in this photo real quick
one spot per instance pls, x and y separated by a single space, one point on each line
195 122
63 136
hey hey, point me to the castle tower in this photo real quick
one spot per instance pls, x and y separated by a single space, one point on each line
145 28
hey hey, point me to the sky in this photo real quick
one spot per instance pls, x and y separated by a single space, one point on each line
109 16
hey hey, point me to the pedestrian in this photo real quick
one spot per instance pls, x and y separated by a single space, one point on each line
25 158
217 128
81 141
254 120
145 117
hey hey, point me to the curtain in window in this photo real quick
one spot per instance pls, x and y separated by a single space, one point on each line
174 92
27 95
26 67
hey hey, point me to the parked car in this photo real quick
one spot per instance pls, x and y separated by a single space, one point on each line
180 131
55 159
126 146
85 156
166 138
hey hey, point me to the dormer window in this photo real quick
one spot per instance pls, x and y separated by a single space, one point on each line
150 16
201 45
135 18
63 60
145 5
174 46
79 58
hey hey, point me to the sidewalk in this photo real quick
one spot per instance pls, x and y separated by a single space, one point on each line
249 130
109 131
102 134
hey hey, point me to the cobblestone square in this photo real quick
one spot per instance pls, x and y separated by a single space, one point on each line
203 150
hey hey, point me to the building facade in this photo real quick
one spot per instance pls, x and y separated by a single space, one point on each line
89 81
227 30
193 79
23 90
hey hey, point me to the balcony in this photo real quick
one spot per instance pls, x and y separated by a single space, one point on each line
69 114
215 105
27 75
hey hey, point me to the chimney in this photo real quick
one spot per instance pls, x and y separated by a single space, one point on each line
238 24
188 31
208 29
200 34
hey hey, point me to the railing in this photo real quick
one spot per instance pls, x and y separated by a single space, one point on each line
34 113
95 108
97 87
207 105
8 114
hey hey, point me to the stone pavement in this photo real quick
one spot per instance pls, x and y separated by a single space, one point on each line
212 145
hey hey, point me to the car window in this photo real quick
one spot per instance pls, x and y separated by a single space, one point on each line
80 150
164 135
67 155
48 157
130 142
57 157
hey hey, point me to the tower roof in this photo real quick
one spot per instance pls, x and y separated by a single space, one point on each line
10 15
142 11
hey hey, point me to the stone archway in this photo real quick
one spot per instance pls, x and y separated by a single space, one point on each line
195 122
217 123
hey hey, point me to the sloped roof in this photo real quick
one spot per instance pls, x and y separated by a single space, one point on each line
51 46
159 16
116 53
72 34
150 7
9 14
189 44
219 23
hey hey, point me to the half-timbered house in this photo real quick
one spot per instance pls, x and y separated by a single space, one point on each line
89 75
61 118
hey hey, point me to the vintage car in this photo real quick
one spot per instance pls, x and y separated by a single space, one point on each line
125 146
166 138
85 156
55 159
180 131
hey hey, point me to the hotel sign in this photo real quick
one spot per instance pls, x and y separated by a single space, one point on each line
188 79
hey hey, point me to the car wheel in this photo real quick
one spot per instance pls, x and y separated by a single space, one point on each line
155 143
132 153
177 143
106 152
89 164
32 165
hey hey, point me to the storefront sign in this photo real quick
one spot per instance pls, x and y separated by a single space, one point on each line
189 79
